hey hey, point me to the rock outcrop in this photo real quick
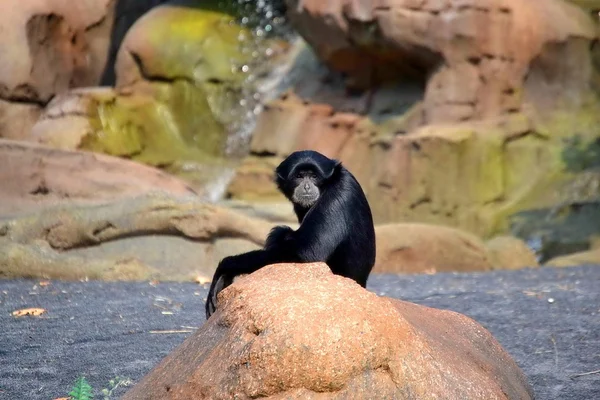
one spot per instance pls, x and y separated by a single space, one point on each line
299 332
483 58
34 177
49 46
161 110
508 252
419 248
459 113
76 215
183 85
153 236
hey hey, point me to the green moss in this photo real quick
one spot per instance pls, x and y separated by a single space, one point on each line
175 124
197 44
556 168
195 85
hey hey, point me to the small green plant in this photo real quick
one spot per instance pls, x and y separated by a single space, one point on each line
81 390
118 381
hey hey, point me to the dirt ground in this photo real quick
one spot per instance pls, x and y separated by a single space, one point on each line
548 319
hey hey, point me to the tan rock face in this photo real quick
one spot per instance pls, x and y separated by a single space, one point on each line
34 176
508 252
478 53
52 46
580 258
462 113
77 215
297 331
418 248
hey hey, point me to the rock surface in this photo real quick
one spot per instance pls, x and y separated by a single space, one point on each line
75 215
52 46
580 258
154 236
180 92
161 112
485 57
419 248
34 177
463 125
339 341
508 252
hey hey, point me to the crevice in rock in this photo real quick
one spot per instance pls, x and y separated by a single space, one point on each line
96 24
22 94
103 228
264 153
41 190
156 78
420 202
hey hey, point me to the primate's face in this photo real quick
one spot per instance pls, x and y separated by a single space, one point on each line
305 184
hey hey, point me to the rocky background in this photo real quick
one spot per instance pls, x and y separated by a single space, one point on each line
138 138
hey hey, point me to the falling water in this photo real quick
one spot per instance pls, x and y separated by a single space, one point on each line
265 21
266 41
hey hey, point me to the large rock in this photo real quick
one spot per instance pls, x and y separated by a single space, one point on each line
162 111
484 58
52 46
170 237
34 177
418 248
77 215
580 258
485 124
508 252
297 331
180 91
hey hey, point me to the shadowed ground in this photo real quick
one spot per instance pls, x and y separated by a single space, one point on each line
547 319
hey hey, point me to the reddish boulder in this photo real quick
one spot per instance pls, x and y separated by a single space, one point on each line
52 45
418 248
297 331
479 58
508 252
32 176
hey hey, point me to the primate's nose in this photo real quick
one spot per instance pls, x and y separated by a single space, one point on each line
306 187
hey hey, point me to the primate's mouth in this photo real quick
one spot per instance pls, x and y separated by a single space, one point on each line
307 200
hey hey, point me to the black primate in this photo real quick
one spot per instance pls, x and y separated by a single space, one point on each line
336 225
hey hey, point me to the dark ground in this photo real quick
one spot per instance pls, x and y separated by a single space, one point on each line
103 330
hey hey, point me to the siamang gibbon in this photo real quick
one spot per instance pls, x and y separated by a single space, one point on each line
336 225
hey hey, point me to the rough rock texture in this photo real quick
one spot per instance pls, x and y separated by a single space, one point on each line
592 5
70 118
418 248
179 86
157 109
508 252
127 12
72 215
155 236
52 46
464 124
17 119
156 48
34 176
579 258
297 331
485 57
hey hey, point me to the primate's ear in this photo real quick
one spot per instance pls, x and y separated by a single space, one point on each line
331 169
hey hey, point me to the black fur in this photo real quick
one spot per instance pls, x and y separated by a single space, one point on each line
337 229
